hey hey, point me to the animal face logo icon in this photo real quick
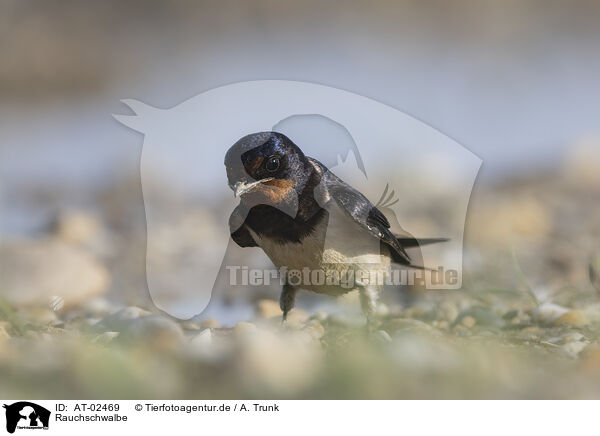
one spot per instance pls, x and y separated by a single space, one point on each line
26 415
380 151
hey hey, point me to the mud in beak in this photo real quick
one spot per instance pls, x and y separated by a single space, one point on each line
240 188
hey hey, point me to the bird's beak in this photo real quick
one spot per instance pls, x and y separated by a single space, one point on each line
240 188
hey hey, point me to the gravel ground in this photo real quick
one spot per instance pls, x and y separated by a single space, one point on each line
525 325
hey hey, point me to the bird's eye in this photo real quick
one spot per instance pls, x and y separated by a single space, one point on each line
272 164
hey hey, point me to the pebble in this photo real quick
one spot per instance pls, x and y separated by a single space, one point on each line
510 315
468 321
442 325
381 336
77 227
460 330
382 310
574 348
321 316
121 319
315 329
482 316
517 317
409 326
191 325
268 309
105 337
202 339
568 337
573 318
531 333
547 313
138 326
156 330
208 347
34 271
244 328
199 346
347 320
449 311
210 323
98 307
297 316
282 363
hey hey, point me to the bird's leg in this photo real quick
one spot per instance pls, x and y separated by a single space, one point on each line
287 300
368 302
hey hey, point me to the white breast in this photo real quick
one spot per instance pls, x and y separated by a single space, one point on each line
347 246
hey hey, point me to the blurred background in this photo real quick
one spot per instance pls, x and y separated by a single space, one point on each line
516 82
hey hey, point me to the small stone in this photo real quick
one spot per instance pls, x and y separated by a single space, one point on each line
568 337
460 330
382 337
268 308
442 325
199 345
410 326
105 337
321 316
483 317
449 311
87 322
468 321
98 307
347 320
190 325
315 329
297 316
574 348
121 319
573 318
77 227
156 330
35 270
244 328
547 313
531 333
510 315
204 338
284 363
382 310
573 337
205 347
210 323
517 317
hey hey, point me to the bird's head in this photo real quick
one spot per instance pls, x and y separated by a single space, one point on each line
266 167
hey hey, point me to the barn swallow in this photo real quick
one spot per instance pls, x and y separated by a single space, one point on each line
303 216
